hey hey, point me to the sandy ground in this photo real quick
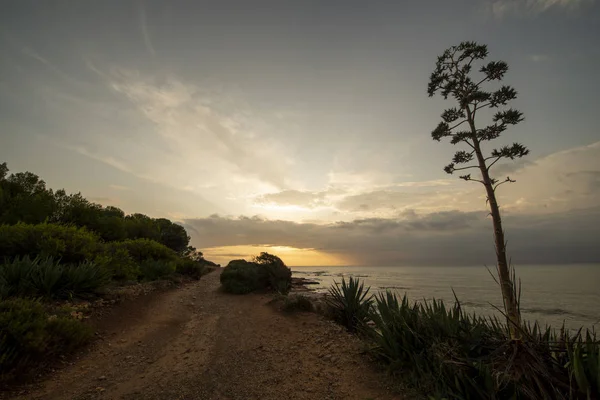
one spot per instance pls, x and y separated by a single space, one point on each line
199 343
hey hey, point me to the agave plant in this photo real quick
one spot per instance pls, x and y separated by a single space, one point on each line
350 303
84 278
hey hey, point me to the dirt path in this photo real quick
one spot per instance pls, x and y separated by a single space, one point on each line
199 343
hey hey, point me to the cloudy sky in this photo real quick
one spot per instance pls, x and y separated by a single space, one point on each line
305 125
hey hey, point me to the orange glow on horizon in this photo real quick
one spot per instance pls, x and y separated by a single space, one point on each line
292 256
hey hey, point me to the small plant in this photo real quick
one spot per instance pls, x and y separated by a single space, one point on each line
15 276
350 303
295 303
47 278
85 278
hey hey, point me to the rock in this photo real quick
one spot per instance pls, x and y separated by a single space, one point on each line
128 357
102 378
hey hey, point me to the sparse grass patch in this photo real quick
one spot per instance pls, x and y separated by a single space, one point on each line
296 303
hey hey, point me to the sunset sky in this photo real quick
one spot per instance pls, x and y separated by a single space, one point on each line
305 125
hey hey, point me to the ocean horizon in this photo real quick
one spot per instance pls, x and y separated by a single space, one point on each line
550 294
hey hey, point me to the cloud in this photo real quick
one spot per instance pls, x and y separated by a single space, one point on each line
558 182
118 187
502 8
191 126
445 238
293 198
144 27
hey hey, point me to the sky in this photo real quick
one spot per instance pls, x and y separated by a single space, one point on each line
303 128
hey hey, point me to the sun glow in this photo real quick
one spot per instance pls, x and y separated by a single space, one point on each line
292 256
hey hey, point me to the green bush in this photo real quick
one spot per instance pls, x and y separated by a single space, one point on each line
28 334
123 260
152 270
115 259
294 303
69 243
349 304
446 352
241 277
265 272
48 278
145 249
191 268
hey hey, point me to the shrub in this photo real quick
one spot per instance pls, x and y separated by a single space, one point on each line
115 259
278 276
191 268
123 259
145 249
350 304
294 303
266 272
69 243
151 270
48 278
241 277
28 334
4 288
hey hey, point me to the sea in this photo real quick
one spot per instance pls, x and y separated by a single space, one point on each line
550 294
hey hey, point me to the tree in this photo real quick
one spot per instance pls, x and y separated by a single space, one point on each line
24 198
172 235
452 77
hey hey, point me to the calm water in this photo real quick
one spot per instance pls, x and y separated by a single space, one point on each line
550 294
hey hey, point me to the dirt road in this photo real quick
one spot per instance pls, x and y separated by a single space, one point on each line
199 343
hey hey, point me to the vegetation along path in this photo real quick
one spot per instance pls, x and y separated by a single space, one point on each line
200 343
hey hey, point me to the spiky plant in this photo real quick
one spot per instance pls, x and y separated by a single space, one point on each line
350 303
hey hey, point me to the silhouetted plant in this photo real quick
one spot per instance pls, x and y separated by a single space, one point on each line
350 303
450 354
265 272
452 77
